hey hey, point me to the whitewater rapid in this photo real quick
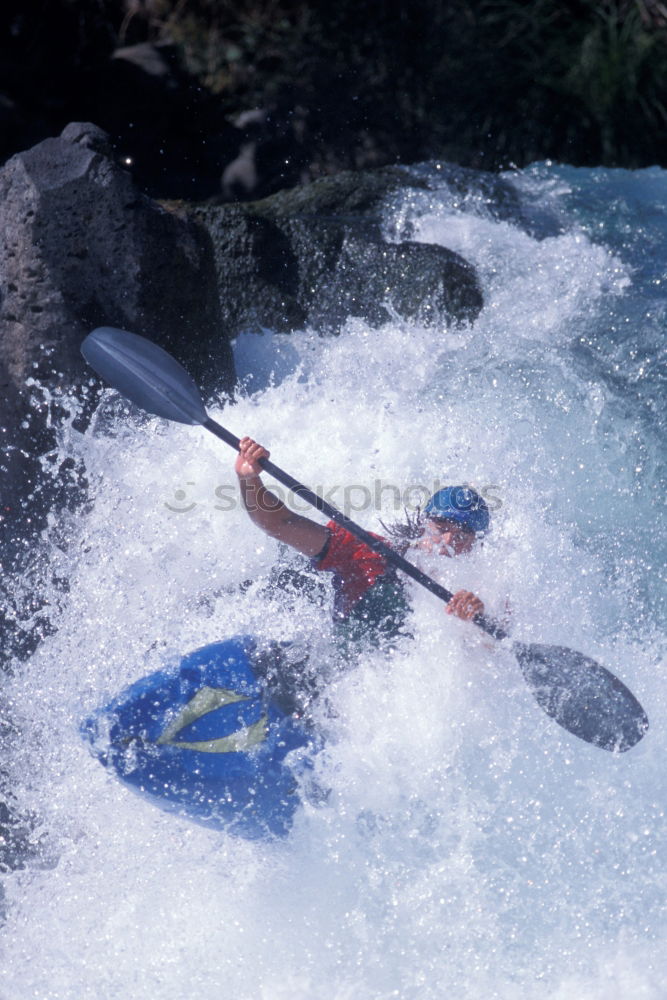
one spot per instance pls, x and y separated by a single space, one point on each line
468 847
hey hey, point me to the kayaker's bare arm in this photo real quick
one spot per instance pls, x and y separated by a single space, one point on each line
267 511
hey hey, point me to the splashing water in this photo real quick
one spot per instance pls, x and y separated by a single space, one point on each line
468 847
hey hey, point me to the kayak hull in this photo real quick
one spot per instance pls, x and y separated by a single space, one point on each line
204 739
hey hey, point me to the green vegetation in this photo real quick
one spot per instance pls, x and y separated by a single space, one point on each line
481 82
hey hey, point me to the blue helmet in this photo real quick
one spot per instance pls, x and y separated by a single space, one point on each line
462 504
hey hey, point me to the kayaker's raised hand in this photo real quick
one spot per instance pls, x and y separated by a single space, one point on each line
465 605
247 463
268 511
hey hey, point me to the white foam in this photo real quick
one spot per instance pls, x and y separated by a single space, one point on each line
469 847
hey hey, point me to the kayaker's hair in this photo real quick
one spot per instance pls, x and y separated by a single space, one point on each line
405 531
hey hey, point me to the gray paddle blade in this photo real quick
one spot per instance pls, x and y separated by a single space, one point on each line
145 374
582 696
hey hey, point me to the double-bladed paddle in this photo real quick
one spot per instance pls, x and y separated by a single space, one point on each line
582 696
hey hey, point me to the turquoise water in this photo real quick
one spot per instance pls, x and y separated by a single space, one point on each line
469 847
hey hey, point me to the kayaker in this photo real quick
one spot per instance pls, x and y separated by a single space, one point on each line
369 596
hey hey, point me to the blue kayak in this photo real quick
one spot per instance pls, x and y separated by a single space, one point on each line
206 739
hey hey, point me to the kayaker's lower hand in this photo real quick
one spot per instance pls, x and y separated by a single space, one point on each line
465 605
247 463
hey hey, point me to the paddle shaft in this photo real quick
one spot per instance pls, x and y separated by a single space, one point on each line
377 544
580 695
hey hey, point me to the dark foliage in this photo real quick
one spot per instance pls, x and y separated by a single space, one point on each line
480 82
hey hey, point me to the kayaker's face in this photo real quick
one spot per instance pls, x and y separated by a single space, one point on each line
447 538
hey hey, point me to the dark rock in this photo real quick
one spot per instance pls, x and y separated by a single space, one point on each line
316 254
88 135
82 248
418 281
257 270
349 193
